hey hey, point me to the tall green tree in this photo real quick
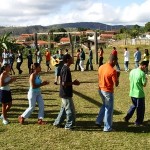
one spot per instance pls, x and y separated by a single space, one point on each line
6 42
147 27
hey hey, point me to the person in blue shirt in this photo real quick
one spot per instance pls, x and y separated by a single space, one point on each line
34 95
137 57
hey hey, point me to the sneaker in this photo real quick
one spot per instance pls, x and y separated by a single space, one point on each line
21 120
109 130
138 124
125 120
1 117
71 128
58 125
55 83
5 122
98 125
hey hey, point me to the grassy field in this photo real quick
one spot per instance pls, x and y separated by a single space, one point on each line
87 102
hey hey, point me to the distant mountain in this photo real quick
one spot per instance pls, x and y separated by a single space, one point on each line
68 26
90 25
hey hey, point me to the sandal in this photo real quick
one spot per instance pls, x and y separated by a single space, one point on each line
41 122
21 120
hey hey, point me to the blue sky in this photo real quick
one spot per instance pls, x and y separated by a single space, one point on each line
49 12
121 3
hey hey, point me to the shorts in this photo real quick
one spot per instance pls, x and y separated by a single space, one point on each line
5 96
57 71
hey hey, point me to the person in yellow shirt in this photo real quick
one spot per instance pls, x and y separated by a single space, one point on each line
146 59
48 57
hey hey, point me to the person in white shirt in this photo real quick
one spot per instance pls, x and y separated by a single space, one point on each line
126 59
5 57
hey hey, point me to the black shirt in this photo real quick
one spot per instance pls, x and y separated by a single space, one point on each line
65 76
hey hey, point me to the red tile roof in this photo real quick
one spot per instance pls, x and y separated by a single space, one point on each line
64 40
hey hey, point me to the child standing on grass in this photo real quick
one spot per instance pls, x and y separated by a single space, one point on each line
5 93
34 95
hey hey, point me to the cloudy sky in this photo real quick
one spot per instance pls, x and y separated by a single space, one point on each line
49 12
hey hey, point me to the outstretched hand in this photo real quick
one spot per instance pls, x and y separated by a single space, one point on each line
45 82
76 82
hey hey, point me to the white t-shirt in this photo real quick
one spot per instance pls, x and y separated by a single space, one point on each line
126 56
5 57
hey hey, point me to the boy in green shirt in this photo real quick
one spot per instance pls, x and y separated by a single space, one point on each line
138 80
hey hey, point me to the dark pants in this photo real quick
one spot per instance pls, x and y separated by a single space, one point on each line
139 105
77 64
100 61
117 66
18 67
89 62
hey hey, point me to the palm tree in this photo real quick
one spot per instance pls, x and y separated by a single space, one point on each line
6 42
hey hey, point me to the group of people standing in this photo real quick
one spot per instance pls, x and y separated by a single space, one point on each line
109 77
137 58
34 94
81 58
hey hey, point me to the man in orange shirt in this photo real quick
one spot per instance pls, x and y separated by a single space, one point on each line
48 57
108 77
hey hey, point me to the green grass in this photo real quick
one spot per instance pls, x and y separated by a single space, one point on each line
87 102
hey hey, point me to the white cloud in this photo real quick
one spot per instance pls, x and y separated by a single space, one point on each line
47 12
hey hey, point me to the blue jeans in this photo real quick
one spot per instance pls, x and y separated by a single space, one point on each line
89 62
126 63
136 64
106 111
33 97
67 111
138 104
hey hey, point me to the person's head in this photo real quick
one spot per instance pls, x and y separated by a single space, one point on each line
113 59
143 65
66 50
57 52
5 67
60 51
78 50
67 59
146 52
137 49
114 48
37 67
81 49
125 49
101 49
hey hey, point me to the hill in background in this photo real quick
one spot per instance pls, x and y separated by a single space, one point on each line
68 26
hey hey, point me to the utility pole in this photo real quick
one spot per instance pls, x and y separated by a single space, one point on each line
71 46
49 41
96 47
35 41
